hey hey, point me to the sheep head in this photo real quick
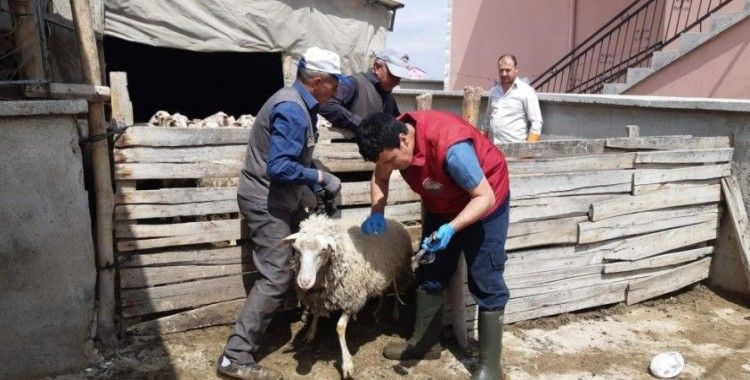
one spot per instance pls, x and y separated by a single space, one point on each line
314 252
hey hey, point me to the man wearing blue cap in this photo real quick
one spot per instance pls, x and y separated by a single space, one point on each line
369 92
277 177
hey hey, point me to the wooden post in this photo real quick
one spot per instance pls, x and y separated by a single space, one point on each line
81 10
455 295
122 107
27 38
424 101
740 225
470 109
633 130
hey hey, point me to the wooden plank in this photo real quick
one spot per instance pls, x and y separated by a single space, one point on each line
545 253
358 193
177 195
582 281
685 156
333 133
518 305
678 278
68 91
526 210
531 186
663 260
738 215
670 197
136 171
544 232
668 142
342 162
682 185
145 211
402 212
523 267
649 221
572 164
647 176
222 313
553 148
604 298
152 276
208 256
181 137
146 154
185 295
550 276
126 230
174 241
639 247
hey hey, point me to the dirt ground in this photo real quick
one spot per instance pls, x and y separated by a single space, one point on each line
712 334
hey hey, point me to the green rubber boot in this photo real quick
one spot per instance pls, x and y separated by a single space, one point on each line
490 346
428 324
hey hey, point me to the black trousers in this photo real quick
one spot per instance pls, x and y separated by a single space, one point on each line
267 225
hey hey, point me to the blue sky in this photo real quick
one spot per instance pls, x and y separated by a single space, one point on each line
421 31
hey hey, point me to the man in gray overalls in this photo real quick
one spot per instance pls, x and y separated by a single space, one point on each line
277 176
369 92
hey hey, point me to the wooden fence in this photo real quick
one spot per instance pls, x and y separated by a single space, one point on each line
593 222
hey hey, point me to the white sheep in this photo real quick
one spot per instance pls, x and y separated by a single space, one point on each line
339 268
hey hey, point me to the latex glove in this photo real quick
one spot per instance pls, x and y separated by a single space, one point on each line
533 137
374 224
442 238
331 184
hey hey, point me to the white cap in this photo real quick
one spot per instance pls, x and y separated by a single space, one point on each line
322 60
398 64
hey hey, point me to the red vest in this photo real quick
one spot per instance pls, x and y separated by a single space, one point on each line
435 132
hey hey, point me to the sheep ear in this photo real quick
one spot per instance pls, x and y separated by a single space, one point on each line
290 239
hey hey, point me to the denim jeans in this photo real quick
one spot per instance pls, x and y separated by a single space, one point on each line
483 244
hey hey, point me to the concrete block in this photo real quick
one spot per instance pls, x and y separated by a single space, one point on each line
47 271
614 88
690 40
722 20
663 58
636 74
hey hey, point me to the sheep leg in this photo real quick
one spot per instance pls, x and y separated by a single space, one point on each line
347 367
312 329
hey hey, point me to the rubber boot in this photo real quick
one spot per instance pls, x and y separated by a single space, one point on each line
428 324
490 346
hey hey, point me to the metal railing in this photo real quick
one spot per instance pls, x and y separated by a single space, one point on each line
627 40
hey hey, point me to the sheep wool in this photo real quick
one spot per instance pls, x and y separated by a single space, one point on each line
358 267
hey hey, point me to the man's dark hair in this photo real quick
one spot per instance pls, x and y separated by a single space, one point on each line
379 132
511 56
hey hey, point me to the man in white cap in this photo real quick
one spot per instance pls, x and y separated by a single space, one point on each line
369 92
277 176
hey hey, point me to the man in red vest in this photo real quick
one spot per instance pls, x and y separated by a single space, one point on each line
463 181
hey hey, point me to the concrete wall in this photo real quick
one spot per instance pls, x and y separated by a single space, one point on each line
47 272
600 116
717 69
538 32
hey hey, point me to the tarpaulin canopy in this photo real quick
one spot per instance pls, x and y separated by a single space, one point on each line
353 28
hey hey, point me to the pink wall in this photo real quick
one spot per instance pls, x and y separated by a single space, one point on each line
716 69
538 32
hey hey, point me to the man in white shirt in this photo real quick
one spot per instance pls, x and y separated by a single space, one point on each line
513 113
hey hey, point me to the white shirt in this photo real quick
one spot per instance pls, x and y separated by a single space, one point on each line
511 116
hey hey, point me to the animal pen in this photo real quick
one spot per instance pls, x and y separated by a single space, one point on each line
593 221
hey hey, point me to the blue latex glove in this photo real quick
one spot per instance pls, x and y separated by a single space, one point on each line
442 238
374 224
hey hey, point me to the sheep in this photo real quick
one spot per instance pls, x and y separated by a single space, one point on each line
339 268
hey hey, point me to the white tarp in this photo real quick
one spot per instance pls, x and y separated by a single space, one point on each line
353 28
